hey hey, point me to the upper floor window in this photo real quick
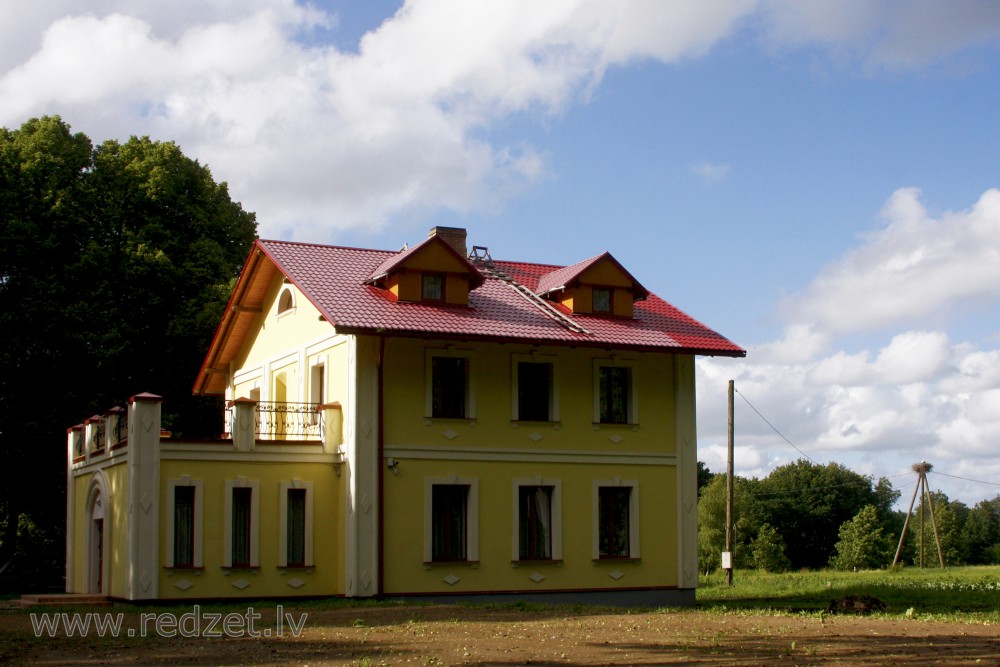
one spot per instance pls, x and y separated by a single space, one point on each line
449 390
285 301
614 393
432 287
535 391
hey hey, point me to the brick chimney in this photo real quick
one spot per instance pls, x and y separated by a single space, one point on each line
453 236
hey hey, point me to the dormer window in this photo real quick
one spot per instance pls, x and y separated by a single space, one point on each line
603 301
435 271
596 286
432 287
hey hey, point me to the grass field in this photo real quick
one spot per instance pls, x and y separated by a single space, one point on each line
966 593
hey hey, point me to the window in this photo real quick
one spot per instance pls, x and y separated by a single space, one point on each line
451 518
184 522
240 527
242 516
535 400
614 395
449 388
317 391
616 525
537 520
183 526
285 301
432 287
295 532
296 527
451 530
603 300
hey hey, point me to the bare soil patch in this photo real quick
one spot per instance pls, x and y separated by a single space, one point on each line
458 635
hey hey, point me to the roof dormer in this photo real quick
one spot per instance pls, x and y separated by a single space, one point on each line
596 286
434 271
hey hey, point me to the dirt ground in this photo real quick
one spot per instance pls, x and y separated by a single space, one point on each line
449 635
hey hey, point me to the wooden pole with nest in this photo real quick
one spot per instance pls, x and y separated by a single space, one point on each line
921 469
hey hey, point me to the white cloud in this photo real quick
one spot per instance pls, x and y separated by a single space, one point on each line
710 172
919 396
889 33
315 139
916 268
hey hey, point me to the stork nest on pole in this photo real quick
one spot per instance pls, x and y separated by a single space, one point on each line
922 467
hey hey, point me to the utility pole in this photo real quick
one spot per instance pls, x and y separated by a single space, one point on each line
727 557
921 469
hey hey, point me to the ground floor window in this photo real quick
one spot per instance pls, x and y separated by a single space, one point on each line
616 525
296 532
451 521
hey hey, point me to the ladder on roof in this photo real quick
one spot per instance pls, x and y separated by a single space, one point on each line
480 257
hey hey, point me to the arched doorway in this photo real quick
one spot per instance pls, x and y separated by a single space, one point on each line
98 531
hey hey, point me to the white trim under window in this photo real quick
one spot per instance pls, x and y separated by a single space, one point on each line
471 532
552 515
468 410
631 409
227 526
553 398
196 537
307 545
633 517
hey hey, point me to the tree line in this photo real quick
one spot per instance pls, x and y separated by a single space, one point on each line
116 262
809 516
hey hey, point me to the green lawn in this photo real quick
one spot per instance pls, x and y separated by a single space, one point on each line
969 593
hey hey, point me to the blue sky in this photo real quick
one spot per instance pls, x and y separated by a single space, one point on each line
817 181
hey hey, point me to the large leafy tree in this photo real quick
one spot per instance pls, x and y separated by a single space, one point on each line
807 503
115 265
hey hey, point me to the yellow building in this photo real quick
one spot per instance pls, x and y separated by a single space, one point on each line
428 422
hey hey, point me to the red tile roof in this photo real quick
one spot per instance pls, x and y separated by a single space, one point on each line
396 260
334 279
565 276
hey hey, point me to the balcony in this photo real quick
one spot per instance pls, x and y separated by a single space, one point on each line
249 425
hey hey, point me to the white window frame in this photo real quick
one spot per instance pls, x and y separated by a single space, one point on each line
555 511
470 385
633 517
227 529
471 517
199 510
633 399
515 380
283 488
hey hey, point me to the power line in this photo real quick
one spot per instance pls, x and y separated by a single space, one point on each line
774 429
977 481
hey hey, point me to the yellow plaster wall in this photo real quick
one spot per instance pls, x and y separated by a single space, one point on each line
116 550
605 273
437 259
268 580
118 480
276 334
407 424
81 485
456 289
406 572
